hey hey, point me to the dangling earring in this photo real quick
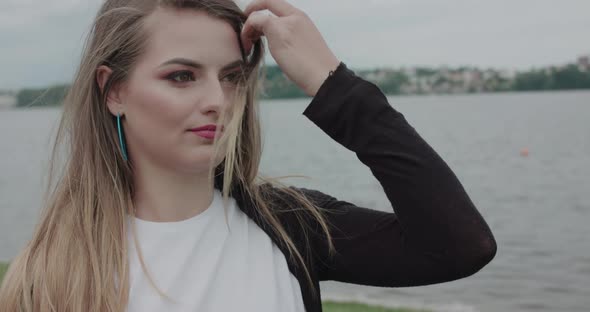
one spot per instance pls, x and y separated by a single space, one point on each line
121 141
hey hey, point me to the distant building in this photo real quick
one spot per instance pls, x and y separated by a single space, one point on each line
584 63
7 101
507 73
377 75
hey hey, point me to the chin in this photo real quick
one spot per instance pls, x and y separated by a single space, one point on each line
200 163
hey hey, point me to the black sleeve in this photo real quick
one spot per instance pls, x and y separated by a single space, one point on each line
435 233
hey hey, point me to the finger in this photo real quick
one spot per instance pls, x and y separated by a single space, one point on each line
248 44
277 7
254 28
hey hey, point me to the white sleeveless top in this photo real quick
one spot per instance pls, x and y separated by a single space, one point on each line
204 266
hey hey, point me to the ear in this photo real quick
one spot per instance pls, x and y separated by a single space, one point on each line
113 102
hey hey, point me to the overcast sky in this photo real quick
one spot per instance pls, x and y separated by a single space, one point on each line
40 40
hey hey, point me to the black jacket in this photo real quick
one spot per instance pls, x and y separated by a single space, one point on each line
436 233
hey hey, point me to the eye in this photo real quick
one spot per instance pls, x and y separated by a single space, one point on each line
181 76
233 78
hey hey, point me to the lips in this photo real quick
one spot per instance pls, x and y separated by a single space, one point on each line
206 128
207 131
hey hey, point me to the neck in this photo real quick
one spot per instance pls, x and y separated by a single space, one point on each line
165 196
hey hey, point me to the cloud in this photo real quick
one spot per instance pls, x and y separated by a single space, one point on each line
41 40
500 33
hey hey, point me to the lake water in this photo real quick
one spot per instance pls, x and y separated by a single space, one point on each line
537 206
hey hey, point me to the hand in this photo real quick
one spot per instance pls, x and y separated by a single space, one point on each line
293 40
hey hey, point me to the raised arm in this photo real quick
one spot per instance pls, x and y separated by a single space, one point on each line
435 233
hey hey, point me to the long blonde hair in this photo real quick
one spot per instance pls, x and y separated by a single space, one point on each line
77 257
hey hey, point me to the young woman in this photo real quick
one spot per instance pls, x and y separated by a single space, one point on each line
160 206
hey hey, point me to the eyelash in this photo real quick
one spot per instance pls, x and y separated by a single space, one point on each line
237 76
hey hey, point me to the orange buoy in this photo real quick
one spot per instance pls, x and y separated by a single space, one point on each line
524 152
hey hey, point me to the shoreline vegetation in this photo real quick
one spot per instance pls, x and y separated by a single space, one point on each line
3 268
392 81
328 305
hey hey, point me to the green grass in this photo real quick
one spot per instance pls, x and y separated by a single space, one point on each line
328 306
332 306
3 268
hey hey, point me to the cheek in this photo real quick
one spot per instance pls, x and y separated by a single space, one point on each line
157 115
160 105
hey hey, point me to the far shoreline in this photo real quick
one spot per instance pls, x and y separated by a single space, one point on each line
393 95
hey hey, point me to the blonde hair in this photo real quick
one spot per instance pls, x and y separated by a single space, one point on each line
77 257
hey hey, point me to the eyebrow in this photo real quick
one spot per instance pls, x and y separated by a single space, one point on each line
196 65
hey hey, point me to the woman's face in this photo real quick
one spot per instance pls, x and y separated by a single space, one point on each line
185 78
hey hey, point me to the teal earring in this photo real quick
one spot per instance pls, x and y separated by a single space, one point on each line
121 141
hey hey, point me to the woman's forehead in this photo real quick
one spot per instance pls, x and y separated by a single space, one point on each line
189 33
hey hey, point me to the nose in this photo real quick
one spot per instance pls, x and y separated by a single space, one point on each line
213 101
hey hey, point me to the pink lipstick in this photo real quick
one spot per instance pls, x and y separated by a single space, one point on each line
207 131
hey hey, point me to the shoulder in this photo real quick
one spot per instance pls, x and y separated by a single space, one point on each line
295 213
284 195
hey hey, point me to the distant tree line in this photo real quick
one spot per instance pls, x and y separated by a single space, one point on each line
566 78
52 96
276 85
569 77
